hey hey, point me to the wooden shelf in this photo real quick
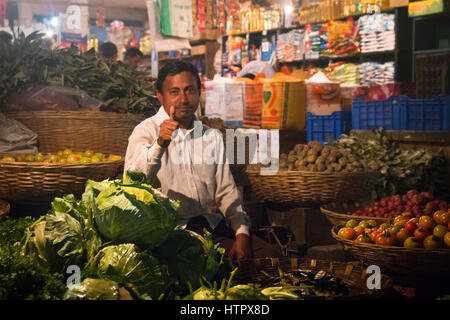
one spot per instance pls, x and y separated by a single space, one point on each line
183 57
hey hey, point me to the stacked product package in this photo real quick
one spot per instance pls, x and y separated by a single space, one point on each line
315 40
290 46
372 73
342 72
377 32
342 38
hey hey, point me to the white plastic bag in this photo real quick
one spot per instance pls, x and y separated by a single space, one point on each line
15 137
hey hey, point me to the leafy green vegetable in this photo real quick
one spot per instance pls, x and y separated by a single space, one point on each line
27 63
218 266
400 170
126 264
134 214
13 230
64 236
183 253
93 289
244 292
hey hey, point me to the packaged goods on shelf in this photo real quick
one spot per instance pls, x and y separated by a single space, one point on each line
290 46
343 72
342 38
377 32
315 40
372 73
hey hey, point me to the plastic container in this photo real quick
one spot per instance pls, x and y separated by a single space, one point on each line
329 127
376 114
425 114
402 113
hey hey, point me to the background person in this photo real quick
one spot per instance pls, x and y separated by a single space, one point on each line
108 52
133 57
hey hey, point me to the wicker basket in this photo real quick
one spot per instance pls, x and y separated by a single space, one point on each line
334 213
105 132
352 274
310 187
22 181
4 209
404 264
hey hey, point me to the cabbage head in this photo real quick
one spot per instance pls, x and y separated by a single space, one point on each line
128 266
134 213
93 289
185 257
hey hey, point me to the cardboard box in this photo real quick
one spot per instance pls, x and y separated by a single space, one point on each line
398 3
197 50
422 8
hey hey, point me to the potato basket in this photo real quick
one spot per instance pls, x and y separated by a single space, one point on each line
352 275
403 264
33 181
310 188
338 213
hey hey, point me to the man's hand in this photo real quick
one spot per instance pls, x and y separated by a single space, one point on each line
166 129
240 250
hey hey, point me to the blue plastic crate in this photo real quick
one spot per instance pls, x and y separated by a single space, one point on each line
322 128
425 114
402 113
384 114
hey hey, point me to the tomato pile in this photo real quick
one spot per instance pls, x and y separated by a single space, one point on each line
412 204
429 232
62 157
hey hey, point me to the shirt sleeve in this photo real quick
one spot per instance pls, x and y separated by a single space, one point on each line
144 154
228 198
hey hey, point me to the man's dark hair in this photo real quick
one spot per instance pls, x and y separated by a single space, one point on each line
108 50
175 67
133 52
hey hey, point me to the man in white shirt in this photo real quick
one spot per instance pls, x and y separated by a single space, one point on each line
187 159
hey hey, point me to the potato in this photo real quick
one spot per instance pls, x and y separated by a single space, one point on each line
299 147
321 167
290 167
312 167
342 161
320 160
283 156
311 158
292 158
313 144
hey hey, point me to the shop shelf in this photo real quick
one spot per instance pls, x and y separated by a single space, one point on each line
324 128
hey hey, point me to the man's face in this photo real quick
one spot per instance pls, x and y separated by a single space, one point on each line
180 91
134 61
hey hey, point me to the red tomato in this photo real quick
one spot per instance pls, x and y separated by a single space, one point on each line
374 235
421 233
410 226
426 222
349 234
359 230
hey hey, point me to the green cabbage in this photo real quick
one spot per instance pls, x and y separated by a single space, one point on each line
127 265
134 213
93 289
184 255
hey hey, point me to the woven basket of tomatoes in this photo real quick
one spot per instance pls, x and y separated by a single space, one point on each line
416 247
413 204
41 177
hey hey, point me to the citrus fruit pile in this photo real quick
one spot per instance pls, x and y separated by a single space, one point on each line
62 157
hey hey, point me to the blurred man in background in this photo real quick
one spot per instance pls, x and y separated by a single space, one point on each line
108 52
133 57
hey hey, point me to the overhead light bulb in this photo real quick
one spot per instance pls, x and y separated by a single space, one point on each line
54 21
49 34
288 9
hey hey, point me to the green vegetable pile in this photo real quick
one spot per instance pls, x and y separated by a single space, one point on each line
27 63
20 277
124 233
400 170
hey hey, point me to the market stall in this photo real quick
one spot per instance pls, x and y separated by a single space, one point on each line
340 163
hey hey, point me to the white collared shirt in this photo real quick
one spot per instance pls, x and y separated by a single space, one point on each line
202 187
